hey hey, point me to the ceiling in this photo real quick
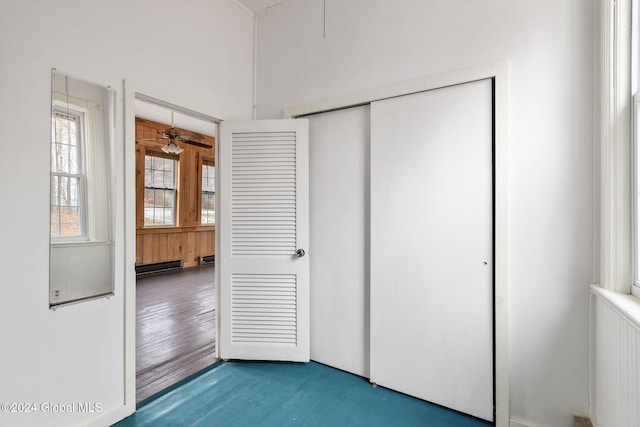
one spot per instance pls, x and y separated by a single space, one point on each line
259 6
160 114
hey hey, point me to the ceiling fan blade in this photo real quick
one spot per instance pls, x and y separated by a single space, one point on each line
193 136
196 143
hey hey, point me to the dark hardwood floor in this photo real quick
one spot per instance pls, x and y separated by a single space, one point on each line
175 329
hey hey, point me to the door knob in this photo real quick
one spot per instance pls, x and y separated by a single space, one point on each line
300 253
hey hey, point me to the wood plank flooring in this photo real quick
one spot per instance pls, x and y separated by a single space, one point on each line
175 329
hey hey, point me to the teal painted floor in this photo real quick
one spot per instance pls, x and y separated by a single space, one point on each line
288 394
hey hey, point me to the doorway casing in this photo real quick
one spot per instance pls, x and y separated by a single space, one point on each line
134 91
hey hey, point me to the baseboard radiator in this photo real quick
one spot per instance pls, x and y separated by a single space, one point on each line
615 383
207 260
159 267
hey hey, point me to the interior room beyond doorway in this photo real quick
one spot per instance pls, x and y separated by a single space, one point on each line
175 337
175 247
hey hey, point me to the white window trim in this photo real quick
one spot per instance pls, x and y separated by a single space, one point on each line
635 141
615 148
635 288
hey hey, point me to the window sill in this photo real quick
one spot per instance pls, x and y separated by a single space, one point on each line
80 243
627 306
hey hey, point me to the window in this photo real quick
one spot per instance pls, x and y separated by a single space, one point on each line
67 176
159 190
208 212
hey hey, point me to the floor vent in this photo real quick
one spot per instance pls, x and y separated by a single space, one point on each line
206 260
159 267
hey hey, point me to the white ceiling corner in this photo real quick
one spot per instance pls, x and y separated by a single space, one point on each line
259 6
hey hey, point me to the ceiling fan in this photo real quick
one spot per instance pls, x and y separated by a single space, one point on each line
173 134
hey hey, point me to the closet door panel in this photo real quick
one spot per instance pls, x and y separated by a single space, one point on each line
339 206
432 246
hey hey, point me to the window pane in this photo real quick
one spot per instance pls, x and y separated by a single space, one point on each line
208 208
73 191
55 194
55 222
158 179
168 179
65 144
148 198
166 199
69 221
159 194
72 166
66 206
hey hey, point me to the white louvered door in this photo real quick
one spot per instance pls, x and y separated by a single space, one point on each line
263 226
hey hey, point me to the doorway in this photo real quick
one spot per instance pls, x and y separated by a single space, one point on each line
175 245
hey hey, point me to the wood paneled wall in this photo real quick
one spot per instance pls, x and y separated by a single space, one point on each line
188 240
158 245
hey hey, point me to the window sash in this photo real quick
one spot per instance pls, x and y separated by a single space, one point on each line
208 193
67 164
159 190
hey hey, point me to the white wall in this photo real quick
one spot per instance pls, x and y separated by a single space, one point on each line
201 51
550 49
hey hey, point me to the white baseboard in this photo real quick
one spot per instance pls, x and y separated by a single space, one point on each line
519 423
110 417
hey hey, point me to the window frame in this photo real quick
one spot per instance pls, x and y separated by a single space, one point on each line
79 113
616 237
635 186
207 163
176 162
635 145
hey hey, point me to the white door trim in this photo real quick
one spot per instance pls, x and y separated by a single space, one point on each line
131 90
498 72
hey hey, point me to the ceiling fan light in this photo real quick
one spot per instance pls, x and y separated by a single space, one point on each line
172 148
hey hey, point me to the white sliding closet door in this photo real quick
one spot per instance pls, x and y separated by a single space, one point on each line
339 227
432 246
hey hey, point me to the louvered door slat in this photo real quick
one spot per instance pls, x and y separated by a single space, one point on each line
252 156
